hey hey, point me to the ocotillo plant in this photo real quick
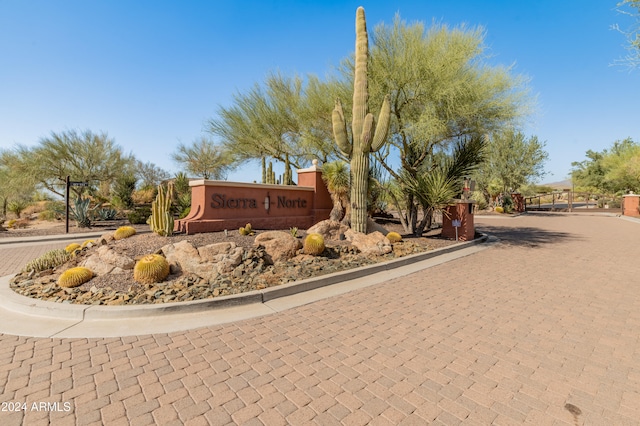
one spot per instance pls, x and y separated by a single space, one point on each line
364 140
161 220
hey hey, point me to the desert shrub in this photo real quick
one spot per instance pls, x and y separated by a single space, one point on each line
17 207
123 191
507 204
144 195
47 215
481 201
139 216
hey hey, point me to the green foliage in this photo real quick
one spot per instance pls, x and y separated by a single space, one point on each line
294 232
480 199
616 169
17 206
204 159
437 185
49 260
84 156
152 268
122 193
281 118
150 175
630 8
139 216
161 220
313 244
512 161
74 277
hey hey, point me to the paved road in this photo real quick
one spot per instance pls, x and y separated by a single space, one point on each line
548 317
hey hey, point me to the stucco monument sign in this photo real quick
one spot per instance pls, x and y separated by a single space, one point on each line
220 205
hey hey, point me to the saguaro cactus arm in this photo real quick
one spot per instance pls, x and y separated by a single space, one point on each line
340 129
382 129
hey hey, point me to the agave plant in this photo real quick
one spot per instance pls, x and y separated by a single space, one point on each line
435 188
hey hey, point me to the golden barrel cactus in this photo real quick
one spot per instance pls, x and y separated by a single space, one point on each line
151 269
72 247
313 244
124 232
75 277
394 237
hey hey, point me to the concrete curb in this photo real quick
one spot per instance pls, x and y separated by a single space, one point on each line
58 237
14 302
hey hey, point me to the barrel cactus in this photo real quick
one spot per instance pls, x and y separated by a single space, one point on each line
394 237
75 277
72 247
364 139
124 232
313 244
88 243
151 269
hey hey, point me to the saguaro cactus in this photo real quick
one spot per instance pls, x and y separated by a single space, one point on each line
364 139
161 220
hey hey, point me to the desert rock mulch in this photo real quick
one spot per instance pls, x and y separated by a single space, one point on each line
253 273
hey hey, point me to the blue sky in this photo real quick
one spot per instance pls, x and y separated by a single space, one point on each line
150 73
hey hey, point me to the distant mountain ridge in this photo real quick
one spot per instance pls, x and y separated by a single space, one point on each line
563 184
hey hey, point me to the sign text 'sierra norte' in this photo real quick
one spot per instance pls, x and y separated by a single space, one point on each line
221 201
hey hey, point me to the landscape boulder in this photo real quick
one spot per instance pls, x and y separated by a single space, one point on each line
278 245
369 244
105 260
207 262
329 229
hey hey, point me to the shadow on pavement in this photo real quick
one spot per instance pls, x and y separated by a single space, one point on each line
527 236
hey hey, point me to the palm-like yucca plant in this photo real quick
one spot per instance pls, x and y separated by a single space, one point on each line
435 188
336 175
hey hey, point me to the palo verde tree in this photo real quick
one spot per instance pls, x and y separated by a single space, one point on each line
204 159
84 156
630 8
364 139
15 187
285 118
512 160
613 170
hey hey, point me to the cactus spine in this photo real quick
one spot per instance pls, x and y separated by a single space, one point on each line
161 220
364 138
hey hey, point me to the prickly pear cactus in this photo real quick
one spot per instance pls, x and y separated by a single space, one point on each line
364 138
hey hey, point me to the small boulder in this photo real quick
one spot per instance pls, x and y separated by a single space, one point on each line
279 245
370 244
372 226
329 229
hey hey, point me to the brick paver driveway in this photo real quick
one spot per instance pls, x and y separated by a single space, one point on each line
542 328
